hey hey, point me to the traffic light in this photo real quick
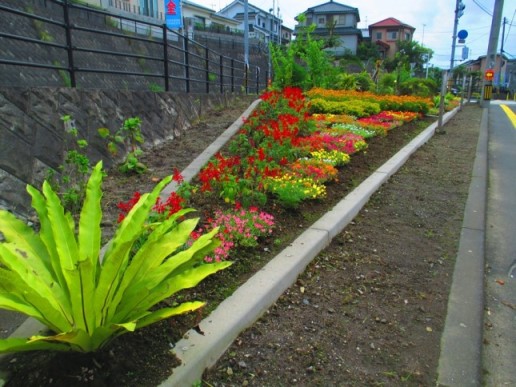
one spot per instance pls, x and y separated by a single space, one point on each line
460 9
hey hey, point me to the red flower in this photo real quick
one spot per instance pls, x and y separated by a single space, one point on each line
177 177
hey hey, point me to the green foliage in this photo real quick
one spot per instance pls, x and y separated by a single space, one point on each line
419 87
386 84
360 82
283 63
345 82
154 87
303 63
368 51
357 108
364 81
56 275
69 180
130 136
132 163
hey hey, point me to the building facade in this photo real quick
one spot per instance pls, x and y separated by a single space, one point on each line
265 25
336 24
387 33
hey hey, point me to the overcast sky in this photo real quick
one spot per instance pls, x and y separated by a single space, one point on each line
433 20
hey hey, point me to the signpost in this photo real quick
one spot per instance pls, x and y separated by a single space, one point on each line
173 18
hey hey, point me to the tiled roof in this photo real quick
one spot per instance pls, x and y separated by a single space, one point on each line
332 7
390 22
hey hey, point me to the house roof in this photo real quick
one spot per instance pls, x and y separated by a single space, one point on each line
390 22
250 8
333 7
212 13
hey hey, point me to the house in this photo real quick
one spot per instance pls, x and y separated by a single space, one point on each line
286 34
504 70
195 16
336 23
387 33
198 17
263 25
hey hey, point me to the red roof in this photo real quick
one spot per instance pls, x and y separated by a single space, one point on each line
391 22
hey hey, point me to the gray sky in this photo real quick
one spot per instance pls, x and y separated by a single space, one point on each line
433 20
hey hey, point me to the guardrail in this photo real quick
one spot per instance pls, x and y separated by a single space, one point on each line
81 44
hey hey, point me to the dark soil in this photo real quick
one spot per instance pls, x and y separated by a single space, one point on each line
369 310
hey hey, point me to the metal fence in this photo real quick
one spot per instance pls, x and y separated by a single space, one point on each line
78 46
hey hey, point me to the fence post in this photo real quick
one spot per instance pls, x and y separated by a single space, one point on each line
232 75
246 77
221 74
257 80
207 69
165 56
69 48
187 65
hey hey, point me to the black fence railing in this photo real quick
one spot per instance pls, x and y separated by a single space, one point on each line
56 43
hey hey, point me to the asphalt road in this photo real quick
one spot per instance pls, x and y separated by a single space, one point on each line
499 349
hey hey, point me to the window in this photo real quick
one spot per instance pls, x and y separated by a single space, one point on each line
392 35
378 36
407 36
341 20
321 20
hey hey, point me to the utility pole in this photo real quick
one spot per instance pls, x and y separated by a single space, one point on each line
487 85
246 45
459 11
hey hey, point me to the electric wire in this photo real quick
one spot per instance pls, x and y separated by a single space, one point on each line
482 7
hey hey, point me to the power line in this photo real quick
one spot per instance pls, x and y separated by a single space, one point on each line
510 25
483 8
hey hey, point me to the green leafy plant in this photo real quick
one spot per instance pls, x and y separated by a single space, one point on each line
57 275
154 87
129 135
71 182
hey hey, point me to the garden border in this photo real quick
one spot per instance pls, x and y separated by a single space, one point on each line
247 304
198 352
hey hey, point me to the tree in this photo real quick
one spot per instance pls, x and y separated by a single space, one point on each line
414 53
368 51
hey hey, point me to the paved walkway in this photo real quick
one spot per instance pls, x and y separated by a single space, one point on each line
479 341
499 350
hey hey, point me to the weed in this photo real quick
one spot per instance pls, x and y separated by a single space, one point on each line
65 76
71 184
154 87
130 136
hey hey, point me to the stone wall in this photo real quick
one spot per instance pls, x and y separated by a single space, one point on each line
33 135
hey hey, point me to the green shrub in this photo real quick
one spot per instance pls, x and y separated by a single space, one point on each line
419 87
357 108
57 277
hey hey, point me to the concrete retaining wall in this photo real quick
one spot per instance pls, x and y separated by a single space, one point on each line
33 136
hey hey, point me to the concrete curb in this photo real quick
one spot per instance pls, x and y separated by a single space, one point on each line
460 361
239 311
195 166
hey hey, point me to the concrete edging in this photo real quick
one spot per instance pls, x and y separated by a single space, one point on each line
198 352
